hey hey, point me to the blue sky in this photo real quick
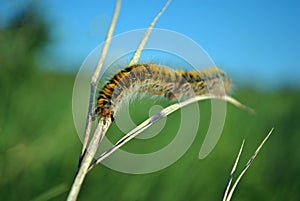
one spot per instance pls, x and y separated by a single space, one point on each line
254 41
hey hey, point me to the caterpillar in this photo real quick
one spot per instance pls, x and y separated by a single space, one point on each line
160 81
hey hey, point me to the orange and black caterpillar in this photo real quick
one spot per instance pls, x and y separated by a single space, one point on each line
159 80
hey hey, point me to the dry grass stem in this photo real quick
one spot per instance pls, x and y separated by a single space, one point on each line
232 171
95 77
137 54
165 112
227 196
88 156
88 153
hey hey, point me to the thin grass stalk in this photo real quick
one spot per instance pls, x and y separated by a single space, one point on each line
88 153
232 172
99 133
138 52
165 112
227 197
96 74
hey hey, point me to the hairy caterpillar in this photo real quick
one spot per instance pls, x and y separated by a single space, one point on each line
160 81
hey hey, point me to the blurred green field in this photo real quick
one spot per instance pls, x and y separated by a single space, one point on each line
39 146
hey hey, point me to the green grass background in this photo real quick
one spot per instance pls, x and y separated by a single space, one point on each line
39 146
